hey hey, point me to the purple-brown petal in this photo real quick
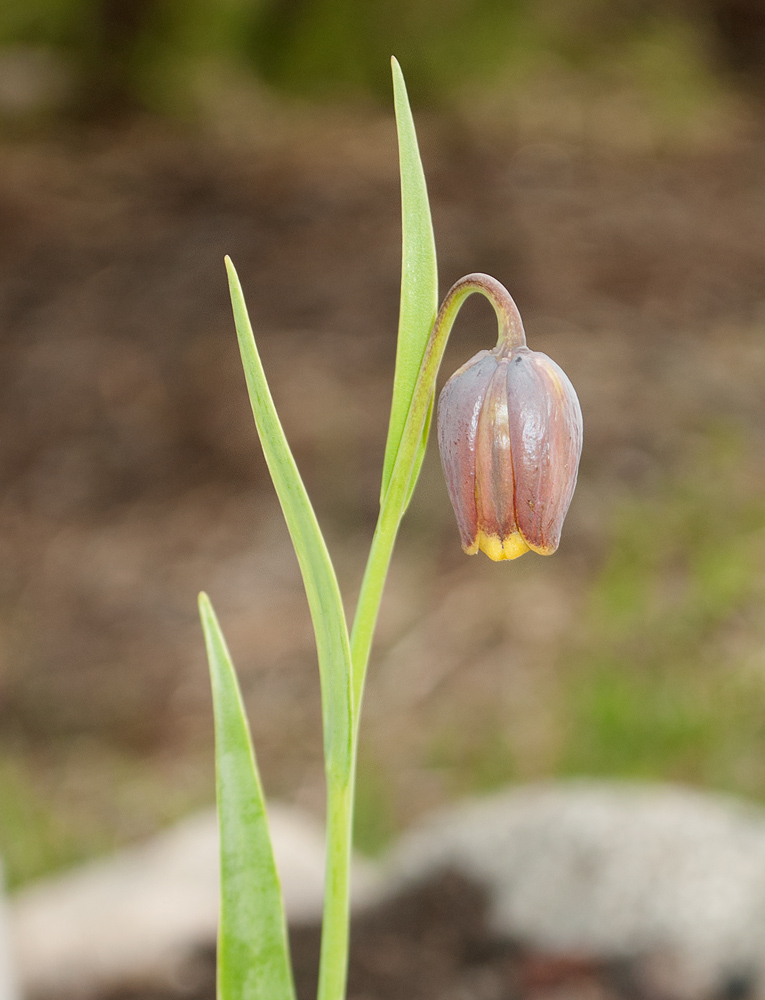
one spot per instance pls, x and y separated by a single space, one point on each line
494 461
459 407
545 423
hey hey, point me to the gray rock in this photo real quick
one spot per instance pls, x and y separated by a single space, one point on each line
140 917
668 876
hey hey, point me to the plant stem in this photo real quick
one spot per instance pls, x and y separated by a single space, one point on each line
340 788
333 965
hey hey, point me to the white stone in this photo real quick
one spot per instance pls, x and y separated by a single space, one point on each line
137 916
665 874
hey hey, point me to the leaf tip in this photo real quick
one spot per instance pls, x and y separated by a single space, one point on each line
398 74
206 613
234 284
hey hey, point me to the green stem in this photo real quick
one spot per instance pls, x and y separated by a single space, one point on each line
340 788
333 965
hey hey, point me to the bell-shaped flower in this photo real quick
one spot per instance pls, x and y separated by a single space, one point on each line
510 437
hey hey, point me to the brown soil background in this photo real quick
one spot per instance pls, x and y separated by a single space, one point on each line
131 475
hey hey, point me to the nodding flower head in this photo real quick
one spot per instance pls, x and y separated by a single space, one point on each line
510 437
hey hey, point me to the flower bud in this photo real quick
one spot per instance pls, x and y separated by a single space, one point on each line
510 437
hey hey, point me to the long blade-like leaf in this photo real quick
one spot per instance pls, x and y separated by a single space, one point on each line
253 955
419 278
319 577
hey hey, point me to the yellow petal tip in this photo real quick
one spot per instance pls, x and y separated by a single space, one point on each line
499 549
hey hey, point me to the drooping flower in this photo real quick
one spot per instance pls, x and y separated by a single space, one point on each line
510 437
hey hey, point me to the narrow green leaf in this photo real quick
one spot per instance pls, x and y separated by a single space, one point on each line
253 954
419 277
319 577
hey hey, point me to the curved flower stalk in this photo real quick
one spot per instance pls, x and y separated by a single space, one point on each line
511 338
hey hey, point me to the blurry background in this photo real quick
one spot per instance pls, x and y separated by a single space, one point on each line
605 160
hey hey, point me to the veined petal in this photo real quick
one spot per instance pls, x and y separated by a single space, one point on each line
545 422
459 407
494 486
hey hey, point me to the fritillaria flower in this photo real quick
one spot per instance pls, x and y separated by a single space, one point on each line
510 437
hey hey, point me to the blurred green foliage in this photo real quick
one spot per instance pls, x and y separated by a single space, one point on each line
62 806
667 678
34 837
149 52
